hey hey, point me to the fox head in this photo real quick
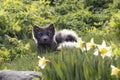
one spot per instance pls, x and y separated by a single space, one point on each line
43 35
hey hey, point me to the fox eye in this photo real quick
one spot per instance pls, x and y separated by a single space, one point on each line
48 33
40 33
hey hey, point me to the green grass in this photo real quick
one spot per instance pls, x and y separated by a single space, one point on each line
68 64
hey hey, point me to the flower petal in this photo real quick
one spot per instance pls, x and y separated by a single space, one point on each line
92 40
96 53
103 44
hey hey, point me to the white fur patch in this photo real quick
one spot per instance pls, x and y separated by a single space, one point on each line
65 33
68 45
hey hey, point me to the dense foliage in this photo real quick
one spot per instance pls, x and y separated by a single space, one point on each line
99 19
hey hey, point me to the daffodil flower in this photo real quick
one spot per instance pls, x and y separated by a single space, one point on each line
103 50
42 62
115 71
81 44
91 44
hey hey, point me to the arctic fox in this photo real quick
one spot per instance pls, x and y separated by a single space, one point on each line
47 38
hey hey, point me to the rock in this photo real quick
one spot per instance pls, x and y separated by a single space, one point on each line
19 75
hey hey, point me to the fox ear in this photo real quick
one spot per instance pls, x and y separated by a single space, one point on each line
51 27
36 28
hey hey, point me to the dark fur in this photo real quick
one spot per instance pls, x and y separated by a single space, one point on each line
62 37
46 37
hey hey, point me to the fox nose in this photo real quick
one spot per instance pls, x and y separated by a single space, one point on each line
45 39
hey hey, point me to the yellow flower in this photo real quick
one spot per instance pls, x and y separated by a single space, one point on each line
91 44
81 44
103 50
42 62
115 70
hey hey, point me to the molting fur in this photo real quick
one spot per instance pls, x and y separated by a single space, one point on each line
47 37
